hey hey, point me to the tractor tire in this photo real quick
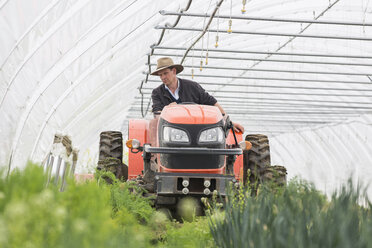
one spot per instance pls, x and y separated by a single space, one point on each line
257 159
111 145
275 175
111 154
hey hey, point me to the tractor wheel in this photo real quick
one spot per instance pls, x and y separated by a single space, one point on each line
275 175
257 159
111 145
111 154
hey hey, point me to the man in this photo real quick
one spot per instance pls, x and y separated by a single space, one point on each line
176 90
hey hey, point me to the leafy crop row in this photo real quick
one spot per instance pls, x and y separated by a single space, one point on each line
96 214
90 214
297 216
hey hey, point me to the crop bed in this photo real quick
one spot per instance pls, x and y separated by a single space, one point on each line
95 214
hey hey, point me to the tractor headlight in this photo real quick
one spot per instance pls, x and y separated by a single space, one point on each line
212 135
171 134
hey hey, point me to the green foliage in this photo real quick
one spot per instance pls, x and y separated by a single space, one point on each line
296 216
81 216
192 232
98 214
89 214
189 234
13 188
126 196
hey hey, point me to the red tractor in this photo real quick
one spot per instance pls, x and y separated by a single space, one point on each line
189 150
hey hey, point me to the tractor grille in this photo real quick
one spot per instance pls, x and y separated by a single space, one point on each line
187 161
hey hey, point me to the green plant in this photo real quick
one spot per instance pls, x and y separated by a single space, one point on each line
297 216
81 216
191 234
98 214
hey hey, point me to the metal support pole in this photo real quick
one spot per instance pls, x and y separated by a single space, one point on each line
269 53
289 118
280 79
289 121
258 104
235 98
305 110
270 19
280 93
269 33
249 123
268 60
270 86
320 119
297 115
291 112
287 105
277 71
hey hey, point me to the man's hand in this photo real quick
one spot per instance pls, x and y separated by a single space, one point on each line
238 127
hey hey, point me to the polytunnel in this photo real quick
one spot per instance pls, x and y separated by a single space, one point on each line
298 71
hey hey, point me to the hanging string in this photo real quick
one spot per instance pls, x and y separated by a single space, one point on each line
229 31
202 50
218 27
243 9
206 55
192 64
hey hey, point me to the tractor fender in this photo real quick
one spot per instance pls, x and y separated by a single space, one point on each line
137 129
238 165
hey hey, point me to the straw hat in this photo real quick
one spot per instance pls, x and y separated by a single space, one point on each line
167 62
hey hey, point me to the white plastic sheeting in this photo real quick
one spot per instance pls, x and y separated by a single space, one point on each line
329 155
75 67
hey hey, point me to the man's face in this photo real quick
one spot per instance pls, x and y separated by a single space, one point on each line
168 76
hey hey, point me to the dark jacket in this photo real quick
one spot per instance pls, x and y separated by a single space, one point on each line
190 91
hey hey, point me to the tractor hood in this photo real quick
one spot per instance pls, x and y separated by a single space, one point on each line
191 114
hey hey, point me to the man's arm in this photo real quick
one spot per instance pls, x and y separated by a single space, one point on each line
220 107
203 96
157 105
237 126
